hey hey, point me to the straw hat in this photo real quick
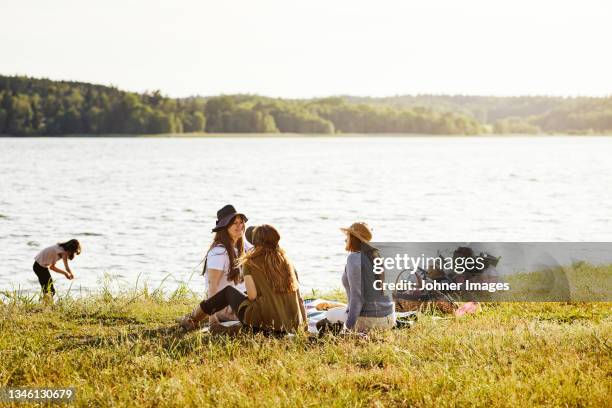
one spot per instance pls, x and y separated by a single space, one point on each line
360 230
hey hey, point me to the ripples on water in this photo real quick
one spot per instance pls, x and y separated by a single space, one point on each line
143 208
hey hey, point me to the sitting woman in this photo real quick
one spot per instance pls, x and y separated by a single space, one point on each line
368 308
273 303
221 265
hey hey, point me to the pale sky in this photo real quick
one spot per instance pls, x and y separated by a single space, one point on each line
314 48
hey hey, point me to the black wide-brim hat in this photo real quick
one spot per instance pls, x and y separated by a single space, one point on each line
225 215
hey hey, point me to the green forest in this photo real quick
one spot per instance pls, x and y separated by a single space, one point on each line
43 107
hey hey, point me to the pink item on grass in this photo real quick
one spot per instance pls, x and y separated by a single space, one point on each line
467 308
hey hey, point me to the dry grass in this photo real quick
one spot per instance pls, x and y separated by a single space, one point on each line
125 351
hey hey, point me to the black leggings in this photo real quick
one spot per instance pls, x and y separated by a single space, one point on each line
44 277
228 296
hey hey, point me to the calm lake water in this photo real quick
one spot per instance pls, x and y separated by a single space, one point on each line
143 208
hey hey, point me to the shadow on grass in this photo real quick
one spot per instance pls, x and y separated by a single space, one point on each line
108 320
174 342
164 337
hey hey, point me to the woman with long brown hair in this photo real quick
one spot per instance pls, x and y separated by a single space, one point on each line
221 265
272 303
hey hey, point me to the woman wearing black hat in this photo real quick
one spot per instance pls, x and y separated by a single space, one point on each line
221 259
272 303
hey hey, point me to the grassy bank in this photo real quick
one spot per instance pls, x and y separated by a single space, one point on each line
124 350
579 282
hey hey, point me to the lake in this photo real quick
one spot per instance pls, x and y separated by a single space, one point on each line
143 208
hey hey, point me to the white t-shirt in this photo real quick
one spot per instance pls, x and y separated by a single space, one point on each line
49 255
218 258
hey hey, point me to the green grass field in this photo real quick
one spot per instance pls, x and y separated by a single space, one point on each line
124 350
578 282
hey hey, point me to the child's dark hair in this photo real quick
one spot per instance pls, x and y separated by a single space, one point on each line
72 247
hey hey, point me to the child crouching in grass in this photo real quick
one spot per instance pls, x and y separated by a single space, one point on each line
46 260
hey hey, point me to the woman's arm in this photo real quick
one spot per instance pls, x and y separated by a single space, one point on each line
65 259
302 310
250 287
58 270
353 270
214 277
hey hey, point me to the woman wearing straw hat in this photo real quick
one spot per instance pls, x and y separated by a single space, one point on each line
368 308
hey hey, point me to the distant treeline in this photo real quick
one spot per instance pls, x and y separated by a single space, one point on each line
519 114
32 107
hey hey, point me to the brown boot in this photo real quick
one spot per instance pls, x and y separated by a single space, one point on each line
192 321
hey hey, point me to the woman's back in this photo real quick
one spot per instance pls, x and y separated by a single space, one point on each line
271 310
49 255
364 300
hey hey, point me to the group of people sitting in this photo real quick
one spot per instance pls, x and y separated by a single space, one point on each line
251 279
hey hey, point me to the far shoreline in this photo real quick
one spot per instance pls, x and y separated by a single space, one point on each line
203 135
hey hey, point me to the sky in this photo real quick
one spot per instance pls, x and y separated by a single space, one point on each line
313 48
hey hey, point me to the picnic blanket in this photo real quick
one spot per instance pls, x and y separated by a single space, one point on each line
319 309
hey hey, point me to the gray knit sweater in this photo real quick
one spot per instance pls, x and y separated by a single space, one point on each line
363 299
